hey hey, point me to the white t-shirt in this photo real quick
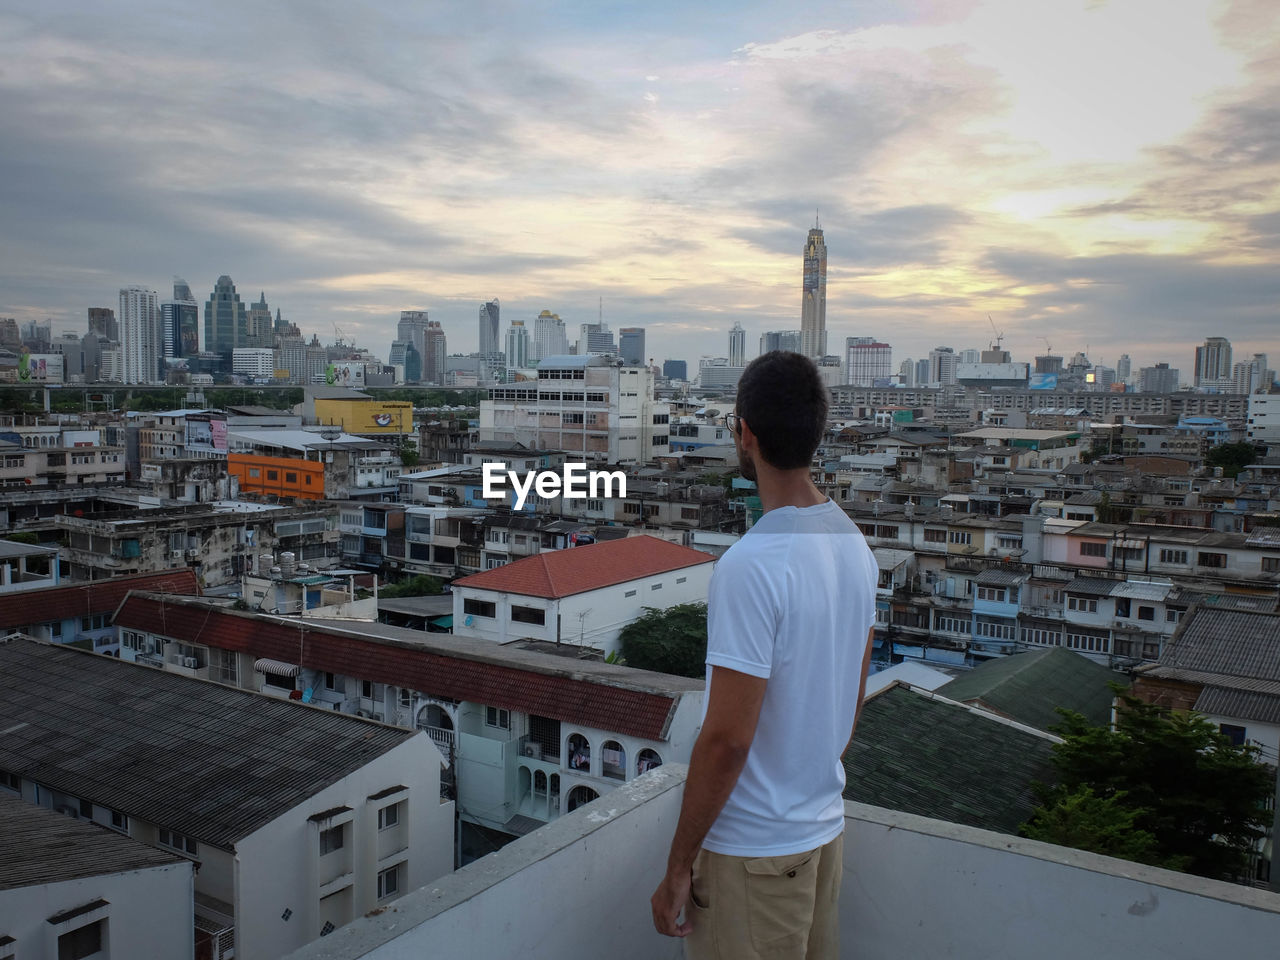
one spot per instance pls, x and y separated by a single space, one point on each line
792 601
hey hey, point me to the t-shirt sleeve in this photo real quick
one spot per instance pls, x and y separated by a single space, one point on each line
743 613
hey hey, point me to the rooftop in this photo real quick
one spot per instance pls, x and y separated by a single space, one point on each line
212 762
41 604
1029 687
39 846
563 573
919 753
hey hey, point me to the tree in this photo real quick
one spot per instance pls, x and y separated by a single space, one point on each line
1232 457
1169 774
419 586
673 640
409 456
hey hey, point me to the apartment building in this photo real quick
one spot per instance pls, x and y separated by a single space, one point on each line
299 819
522 729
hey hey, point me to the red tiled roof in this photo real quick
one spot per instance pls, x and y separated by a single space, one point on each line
574 700
25 608
563 573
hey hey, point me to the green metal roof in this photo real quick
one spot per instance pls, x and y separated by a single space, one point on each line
1029 687
921 755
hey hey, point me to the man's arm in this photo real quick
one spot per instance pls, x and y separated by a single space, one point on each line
714 766
862 682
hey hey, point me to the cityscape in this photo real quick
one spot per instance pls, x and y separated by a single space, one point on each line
354 600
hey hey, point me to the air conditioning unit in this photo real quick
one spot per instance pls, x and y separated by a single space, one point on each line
193 554
175 554
363 713
376 716
190 662
533 750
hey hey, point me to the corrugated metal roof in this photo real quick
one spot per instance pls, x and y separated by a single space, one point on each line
995 577
25 608
1142 591
1239 704
1090 587
39 846
887 559
1229 642
208 761
600 695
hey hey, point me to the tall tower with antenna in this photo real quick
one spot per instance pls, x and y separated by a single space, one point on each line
813 308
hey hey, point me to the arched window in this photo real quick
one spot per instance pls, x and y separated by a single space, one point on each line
613 760
539 785
555 792
580 795
579 753
647 760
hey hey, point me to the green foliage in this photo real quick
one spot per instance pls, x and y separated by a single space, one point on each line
1232 457
419 586
23 537
1200 797
409 456
1079 818
616 658
673 640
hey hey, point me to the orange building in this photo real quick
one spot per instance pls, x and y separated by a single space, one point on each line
277 476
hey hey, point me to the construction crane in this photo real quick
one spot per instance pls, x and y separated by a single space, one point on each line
999 335
339 339
1048 347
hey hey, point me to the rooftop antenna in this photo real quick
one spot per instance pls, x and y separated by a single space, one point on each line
817 224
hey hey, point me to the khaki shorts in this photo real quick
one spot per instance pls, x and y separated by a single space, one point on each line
785 907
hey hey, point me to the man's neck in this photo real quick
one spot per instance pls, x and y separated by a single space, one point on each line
787 488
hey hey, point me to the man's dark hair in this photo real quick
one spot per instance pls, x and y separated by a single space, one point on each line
784 401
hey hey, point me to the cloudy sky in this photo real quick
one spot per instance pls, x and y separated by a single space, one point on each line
1098 173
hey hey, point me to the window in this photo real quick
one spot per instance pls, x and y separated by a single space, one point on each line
330 682
93 623
1009 543
689 513
961 537
290 477
479 608
1146 613
647 760
254 473
1122 607
1271 564
119 821
176 841
10 781
388 816
1090 549
681 579
1172 615
1215 560
655 586
497 717
528 615
629 593
887 533
82 942
331 839
1173 556
994 594
1233 733
597 505
273 475
388 882
1083 604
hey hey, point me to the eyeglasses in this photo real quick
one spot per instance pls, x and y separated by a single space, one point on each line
732 421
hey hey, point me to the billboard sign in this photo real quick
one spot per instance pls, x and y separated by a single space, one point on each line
1043 381
345 374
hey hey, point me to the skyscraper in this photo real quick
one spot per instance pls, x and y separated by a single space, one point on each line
737 346
1124 366
866 361
942 366
259 330
813 311
489 341
1213 361
788 340
518 345
179 322
549 337
102 321
226 322
434 356
413 329
596 338
139 317
631 345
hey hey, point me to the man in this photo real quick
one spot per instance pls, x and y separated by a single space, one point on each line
756 859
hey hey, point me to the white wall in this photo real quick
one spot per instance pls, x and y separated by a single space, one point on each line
149 913
276 865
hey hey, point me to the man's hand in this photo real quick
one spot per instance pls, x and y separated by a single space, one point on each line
671 897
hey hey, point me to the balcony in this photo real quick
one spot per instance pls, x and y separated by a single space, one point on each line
913 887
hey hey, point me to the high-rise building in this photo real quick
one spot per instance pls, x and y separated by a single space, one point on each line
102 320
675 369
317 360
435 352
596 338
489 340
1213 362
1158 379
179 322
813 309
291 355
1124 367
518 345
907 372
226 322
786 340
922 372
737 346
866 360
140 347
1252 376
631 345
413 329
549 337
942 366
259 331
969 356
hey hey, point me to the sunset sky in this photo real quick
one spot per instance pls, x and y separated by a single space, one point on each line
1100 174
